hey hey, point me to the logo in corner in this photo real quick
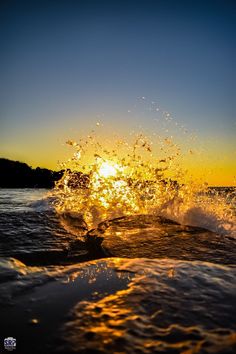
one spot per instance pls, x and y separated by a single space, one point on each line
10 343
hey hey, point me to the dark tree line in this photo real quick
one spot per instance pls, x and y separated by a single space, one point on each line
15 174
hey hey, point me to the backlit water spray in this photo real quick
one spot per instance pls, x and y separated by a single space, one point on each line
110 178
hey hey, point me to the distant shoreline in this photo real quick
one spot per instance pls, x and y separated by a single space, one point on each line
16 174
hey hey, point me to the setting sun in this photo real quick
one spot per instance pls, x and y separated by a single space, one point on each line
108 169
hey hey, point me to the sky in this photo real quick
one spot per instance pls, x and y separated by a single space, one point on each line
65 65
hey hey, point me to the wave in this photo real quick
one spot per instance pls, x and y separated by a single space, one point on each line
209 215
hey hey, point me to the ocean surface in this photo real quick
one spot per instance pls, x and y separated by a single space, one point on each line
133 284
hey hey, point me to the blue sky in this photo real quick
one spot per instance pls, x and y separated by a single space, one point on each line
65 62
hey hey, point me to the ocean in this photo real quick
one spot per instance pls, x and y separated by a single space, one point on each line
136 283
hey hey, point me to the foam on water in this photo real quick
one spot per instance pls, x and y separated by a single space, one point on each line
43 205
211 211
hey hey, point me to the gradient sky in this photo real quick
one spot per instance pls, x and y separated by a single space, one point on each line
66 64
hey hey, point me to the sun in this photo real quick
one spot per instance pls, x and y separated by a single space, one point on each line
108 169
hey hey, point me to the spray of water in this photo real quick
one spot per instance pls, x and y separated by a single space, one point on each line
108 179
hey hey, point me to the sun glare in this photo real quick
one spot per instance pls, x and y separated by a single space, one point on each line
108 169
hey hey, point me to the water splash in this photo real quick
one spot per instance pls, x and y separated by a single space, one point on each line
106 179
125 179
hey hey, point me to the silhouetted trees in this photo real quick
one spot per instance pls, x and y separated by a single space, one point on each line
15 174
